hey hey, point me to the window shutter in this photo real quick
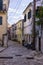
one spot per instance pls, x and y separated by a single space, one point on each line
37 12
1 4
29 14
25 18
0 20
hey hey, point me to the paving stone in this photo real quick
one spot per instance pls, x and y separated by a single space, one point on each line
19 54
1 49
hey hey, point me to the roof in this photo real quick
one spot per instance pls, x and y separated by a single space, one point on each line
19 21
27 6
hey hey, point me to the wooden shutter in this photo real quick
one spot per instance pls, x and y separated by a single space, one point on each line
25 18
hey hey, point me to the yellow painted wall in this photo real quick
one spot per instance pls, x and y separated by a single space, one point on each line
3 27
19 31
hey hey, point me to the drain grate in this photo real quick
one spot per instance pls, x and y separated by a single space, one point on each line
18 55
6 57
29 57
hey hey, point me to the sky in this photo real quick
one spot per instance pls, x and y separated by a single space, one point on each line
15 11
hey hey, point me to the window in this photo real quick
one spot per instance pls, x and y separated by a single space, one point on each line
13 29
42 26
29 14
4 7
37 11
20 25
0 20
25 18
1 4
15 36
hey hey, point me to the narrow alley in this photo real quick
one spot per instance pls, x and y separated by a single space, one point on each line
21 32
16 54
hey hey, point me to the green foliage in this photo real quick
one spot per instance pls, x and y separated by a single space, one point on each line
39 14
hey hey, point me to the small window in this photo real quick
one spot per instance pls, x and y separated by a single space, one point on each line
25 18
37 11
15 36
0 20
13 29
42 26
29 14
20 24
1 4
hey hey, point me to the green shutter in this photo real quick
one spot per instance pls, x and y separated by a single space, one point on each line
0 20
1 5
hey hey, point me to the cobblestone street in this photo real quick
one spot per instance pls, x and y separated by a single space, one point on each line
16 54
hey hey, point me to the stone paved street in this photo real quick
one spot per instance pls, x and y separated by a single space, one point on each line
16 54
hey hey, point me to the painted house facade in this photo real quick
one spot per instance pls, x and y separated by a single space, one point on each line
28 12
13 32
19 31
4 4
28 20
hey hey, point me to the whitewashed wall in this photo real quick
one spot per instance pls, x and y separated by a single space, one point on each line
28 23
39 3
28 27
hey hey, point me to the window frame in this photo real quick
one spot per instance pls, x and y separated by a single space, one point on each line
1 20
1 6
29 14
25 18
